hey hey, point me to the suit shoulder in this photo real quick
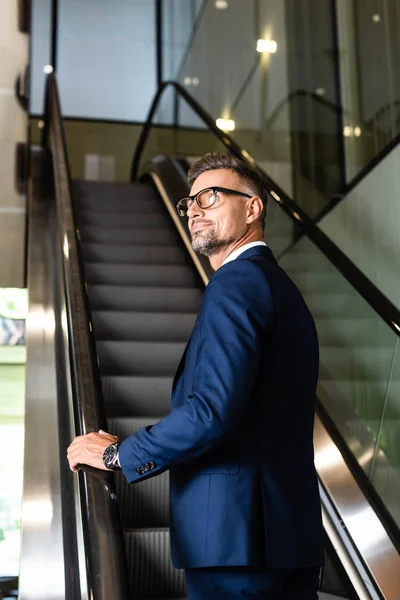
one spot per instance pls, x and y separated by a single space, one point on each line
239 272
242 282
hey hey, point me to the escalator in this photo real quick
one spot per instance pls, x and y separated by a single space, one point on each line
143 289
144 296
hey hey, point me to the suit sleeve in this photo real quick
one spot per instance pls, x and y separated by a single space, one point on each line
236 312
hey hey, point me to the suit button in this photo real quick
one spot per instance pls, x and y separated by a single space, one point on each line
139 471
146 467
152 465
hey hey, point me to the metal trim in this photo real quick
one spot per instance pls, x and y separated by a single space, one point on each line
358 520
180 227
41 524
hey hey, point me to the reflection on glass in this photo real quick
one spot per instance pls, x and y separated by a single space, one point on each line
356 366
369 81
385 469
283 53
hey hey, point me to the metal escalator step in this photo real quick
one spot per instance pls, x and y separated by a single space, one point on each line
335 304
90 187
97 191
139 358
150 570
141 326
147 503
129 235
313 281
149 299
133 254
354 363
137 396
121 205
111 219
141 275
341 332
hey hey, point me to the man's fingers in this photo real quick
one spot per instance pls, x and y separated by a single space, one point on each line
88 449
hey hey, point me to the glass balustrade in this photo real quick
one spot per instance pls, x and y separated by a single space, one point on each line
359 368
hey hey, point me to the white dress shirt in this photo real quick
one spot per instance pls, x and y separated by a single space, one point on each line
239 251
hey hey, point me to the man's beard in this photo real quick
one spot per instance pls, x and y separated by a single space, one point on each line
208 244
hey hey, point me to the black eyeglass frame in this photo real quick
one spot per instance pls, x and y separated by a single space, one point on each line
214 189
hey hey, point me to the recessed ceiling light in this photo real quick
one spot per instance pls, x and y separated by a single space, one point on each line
357 131
225 124
347 131
376 18
320 91
187 80
221 4
266 46
195 81
48 69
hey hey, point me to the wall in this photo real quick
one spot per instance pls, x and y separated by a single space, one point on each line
366 225
13 57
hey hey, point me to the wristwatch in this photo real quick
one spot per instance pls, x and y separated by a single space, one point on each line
110 457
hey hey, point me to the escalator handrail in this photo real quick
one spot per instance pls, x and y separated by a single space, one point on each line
106 573
336 108
373 296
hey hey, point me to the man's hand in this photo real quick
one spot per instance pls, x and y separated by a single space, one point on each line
88 450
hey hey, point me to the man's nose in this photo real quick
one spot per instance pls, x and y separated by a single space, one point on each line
194 210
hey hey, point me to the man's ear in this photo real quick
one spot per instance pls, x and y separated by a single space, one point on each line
254 209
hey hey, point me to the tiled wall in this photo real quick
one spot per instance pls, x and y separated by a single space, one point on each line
13 57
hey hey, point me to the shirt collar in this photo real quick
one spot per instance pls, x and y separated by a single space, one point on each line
240 250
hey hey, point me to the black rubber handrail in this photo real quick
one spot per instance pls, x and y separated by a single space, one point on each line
378 301
106 572
335 108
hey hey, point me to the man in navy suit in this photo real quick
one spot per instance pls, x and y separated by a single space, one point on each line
245 508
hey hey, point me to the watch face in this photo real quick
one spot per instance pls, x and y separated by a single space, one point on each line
109 455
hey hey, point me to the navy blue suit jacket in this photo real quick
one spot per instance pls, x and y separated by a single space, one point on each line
239 438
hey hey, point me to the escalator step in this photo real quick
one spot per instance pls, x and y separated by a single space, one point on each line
336 304
355 363
150 570
133 235
86 187
145 504
139 396
141 275
139 358
156 299
120 205
111 219
315 281
133 254
137 326
98 193
341 332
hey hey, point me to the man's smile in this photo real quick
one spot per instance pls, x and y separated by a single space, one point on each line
197 225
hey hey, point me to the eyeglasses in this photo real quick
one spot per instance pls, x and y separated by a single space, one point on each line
205 199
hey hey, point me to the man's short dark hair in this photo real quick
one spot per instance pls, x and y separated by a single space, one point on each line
253 179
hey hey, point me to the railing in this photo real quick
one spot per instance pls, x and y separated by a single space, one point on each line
378 301
102 533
